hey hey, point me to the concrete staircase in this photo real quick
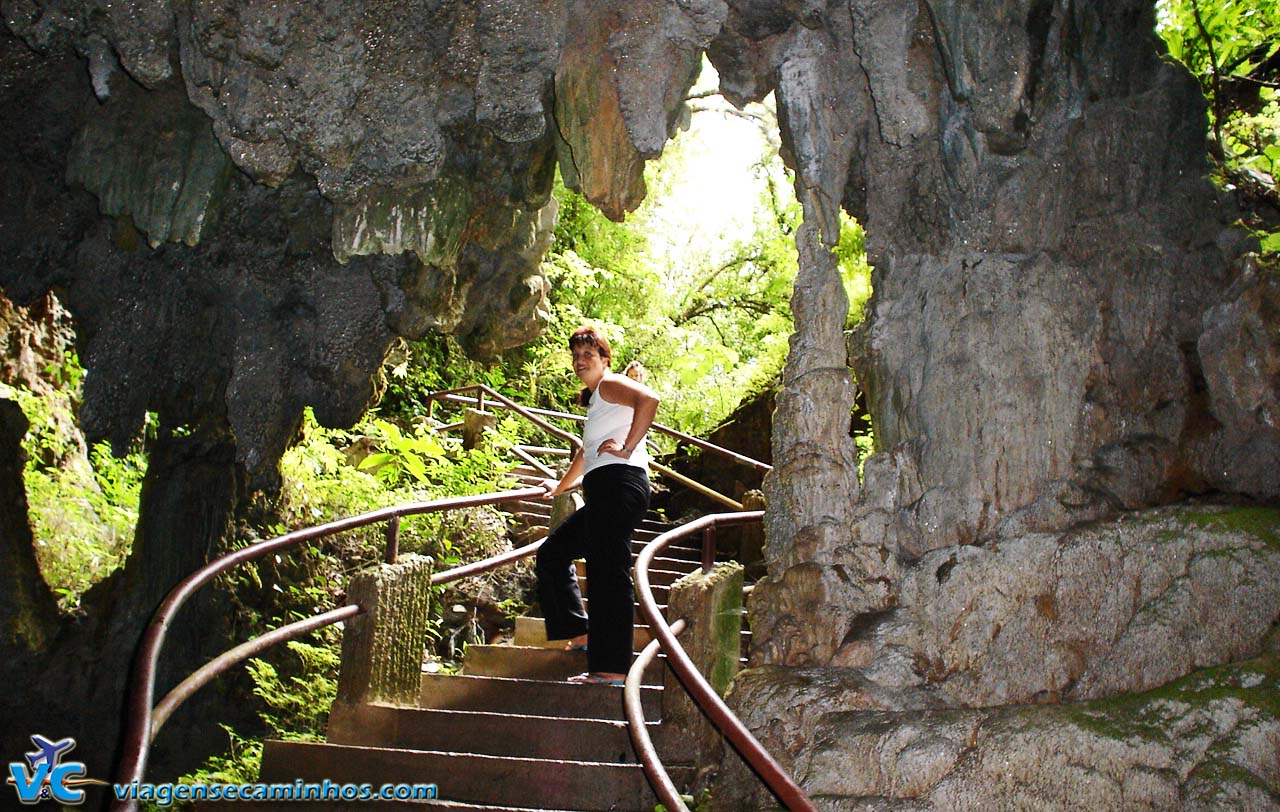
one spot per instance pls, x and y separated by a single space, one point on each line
508 733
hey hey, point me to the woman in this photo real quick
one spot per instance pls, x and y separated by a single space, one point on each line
613 469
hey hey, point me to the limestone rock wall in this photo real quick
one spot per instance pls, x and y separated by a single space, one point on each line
1202 743
242 205
1056 347
1048 255
342 173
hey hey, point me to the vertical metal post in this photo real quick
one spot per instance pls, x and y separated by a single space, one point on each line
393 540
480 400
708 548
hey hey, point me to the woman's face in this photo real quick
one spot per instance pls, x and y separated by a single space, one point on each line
588 364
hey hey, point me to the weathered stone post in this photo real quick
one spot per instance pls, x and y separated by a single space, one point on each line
751 536
562 507
474 422
382 648
711 605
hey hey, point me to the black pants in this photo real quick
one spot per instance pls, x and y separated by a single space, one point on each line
616 498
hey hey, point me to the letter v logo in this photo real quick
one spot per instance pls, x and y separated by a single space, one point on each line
28 785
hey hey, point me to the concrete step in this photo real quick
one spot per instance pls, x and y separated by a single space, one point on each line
541 507
677 551
532 631
466 777
660 590
482 732
657 575
636 616
532 697
528 662
656 524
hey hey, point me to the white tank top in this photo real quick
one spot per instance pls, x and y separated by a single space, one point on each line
606 420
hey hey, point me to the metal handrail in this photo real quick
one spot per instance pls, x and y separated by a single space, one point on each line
658 777
699 690
144 718
203 675
534 414
505 402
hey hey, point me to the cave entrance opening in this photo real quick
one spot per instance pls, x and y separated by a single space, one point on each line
82 500
719 224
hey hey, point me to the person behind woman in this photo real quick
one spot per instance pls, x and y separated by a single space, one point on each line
612 467
636 372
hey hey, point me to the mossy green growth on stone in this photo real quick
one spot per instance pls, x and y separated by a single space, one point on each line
1254 683
169 186
1261 523
728 628
429 220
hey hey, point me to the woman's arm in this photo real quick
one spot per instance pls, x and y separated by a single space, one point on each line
621 389
571 479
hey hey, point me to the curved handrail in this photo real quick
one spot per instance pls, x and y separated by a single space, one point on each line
141 726
661 782
699 690
203 675
534 414
506 402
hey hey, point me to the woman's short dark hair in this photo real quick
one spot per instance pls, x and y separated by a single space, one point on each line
590 336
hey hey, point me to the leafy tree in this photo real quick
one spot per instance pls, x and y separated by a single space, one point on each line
1233 48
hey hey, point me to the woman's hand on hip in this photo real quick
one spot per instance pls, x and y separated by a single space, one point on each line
612 446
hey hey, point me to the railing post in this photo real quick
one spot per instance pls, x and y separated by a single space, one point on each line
382 648
708 549
474 424
392 551
711 605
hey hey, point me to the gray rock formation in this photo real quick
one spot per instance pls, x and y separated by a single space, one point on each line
429 131
243 205
1203 743
1057 344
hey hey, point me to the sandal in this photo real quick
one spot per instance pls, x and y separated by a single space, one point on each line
582 647
587 678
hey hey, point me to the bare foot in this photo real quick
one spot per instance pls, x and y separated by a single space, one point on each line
578 643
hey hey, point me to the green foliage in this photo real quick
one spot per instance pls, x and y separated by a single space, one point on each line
855 272
330 474
1233 49
296 708
433 363
703 302
83 507
421 458
239 765
1231 46
298 704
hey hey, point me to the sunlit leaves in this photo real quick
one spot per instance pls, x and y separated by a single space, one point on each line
1233 48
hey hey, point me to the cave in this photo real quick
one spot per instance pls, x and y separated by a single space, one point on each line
1070 357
